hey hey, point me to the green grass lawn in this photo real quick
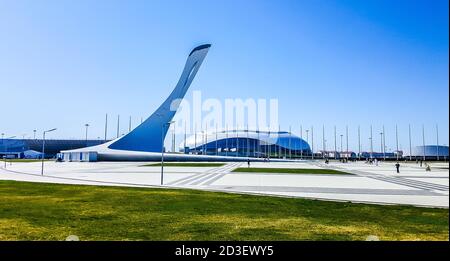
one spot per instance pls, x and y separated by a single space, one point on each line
293 171
39 211
185 164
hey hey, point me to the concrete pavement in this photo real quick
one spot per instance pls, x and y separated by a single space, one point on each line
368 183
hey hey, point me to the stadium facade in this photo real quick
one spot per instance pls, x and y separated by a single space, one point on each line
32 148
429 152
247 143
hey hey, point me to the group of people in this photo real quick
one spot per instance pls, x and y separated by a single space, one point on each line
397 165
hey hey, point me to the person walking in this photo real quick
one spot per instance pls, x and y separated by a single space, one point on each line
397 166
248 163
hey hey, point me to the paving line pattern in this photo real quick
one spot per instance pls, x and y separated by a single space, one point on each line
396 180
205 178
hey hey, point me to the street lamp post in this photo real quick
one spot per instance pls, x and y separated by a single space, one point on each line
174 141
437 143
257 142
87 126
217 148
312 142
346 142
290 145
371 142
323 141
162 149
409 135
307 136
384 144
6 147
301 137
396 141
335 147
381 142
43 149
195 138
3 144
34 134
279 147
268 147
423 142
185 129
237 141
226 140
205 150
248 144
359 143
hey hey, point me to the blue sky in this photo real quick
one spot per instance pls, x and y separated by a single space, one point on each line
65 63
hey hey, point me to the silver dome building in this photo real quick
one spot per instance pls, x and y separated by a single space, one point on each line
428 151
247 143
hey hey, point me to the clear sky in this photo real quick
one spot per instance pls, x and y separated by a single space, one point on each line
67 63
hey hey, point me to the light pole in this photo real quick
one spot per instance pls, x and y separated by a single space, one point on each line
268 147
381 142
217 148
279 147
359 143
195 137
129 125
205 146
3 144
346 142
184 149
162 149
237 141
290 145
335 145
396 140
174 138
248 144
87 126
384 144
34 134
301 137
323 141
371 142
226 140
307 137
312 142
43 149
106 125
342 148
257 142
437 143
203 142
410 149
118 125
6 148
423 141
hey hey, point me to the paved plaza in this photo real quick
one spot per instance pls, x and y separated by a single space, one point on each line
368 183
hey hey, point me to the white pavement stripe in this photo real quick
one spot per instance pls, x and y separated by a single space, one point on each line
198 178
407 182
330 190
189 178
396 180
214 173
